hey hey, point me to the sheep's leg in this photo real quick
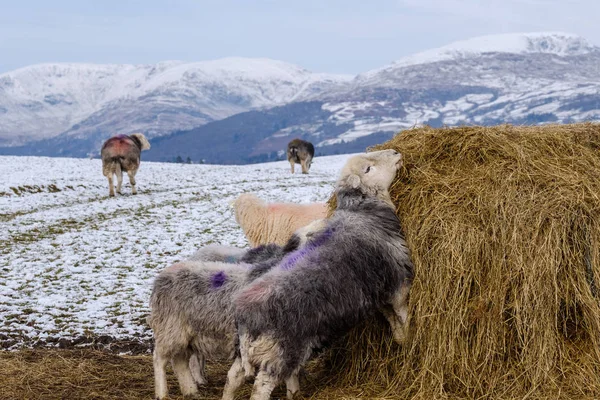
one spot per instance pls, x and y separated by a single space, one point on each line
119 173
292 164
303 165
308 164
397 316
160 375
235 379
292 385
111 186
182 369
263 386
131 175
198 367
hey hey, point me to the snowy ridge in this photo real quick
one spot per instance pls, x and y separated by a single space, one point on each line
558 43
515 78
46 100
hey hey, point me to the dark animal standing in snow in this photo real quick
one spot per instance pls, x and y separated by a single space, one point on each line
192 311
122 153
357 264
300 152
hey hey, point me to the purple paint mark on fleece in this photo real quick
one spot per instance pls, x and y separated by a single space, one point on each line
218 279
294 257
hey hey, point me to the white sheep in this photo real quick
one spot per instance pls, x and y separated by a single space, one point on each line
264 223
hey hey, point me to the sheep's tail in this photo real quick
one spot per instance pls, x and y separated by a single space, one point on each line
242 348
113 166
118 165
294 151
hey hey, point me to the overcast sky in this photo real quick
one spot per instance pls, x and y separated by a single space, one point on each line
348 36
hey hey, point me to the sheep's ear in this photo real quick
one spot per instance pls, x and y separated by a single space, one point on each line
353 181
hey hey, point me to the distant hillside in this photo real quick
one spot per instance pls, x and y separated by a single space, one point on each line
82 100
519 78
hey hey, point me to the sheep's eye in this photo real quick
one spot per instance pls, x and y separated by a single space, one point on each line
367 170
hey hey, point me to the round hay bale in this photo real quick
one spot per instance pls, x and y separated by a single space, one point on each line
504 228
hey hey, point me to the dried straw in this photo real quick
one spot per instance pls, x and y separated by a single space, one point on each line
504 228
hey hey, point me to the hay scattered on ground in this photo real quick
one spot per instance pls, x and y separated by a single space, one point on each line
75 374
504 228
83 374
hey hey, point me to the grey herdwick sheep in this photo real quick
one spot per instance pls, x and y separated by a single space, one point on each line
300 152
192 312
357 264
122 153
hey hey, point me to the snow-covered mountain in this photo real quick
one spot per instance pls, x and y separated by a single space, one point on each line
516 78
247 110
44 101
558 43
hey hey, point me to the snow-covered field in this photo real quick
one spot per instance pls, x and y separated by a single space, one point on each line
75 263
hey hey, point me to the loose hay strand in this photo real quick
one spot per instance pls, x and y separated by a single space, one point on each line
504 228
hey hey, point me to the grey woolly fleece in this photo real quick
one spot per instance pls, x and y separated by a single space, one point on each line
343 275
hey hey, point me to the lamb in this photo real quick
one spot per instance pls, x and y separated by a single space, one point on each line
122 153
357 264
191 307
264 223
300 152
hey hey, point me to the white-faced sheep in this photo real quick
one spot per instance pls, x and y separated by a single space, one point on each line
192 312
122 153
300 152
356 265
264 223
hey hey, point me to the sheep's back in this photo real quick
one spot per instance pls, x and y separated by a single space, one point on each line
332 288
200 293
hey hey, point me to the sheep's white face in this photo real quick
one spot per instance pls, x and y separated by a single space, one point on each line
371 171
